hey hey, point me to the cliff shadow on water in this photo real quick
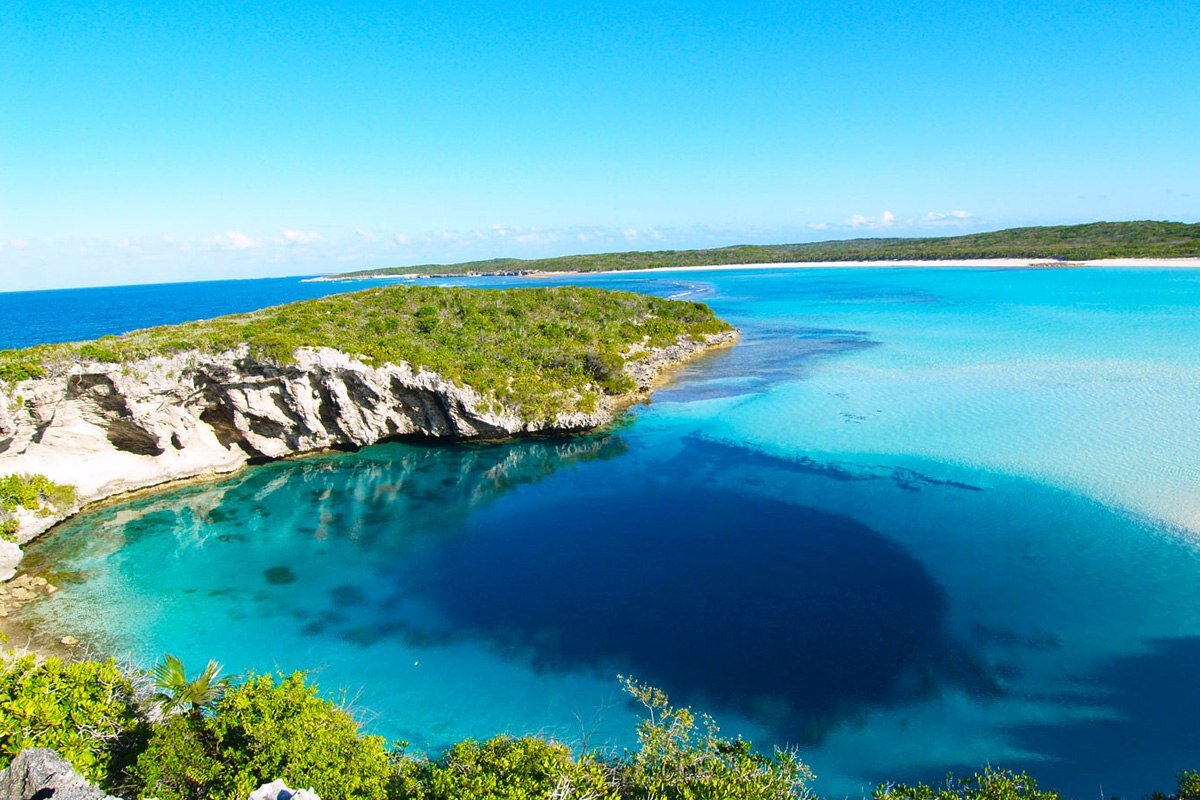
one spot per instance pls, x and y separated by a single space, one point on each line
354 496
315 524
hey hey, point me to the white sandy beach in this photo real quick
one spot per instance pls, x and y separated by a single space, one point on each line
970 263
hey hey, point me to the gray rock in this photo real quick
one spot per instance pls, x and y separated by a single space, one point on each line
40 774
278 790
10 557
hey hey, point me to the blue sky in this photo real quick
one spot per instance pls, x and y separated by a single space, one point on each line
185 140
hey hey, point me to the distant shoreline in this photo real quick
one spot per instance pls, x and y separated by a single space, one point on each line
966 263
1135 243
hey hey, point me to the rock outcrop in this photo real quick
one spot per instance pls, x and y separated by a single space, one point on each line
10 557
39 773
278 790
108 429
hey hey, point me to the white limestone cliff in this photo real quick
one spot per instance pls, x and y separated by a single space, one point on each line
108 429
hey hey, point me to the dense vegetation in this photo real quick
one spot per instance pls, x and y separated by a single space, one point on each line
1144 239
161 734
85 710
545 349
32 493
261 730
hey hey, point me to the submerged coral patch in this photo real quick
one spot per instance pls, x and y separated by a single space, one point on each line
279 575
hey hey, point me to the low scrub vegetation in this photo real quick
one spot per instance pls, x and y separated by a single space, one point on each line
31 493
260 730
161 734
87 711
542 349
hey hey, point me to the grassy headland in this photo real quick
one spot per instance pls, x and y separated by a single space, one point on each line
548 349
1097 240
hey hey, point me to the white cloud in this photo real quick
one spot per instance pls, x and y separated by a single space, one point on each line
957 217
233 240
886 220
365 235
401 239
865 222
301 237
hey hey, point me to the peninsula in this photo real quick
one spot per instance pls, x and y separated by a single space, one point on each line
1097 241
82 422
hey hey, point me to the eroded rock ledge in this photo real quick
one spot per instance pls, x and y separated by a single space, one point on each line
108 429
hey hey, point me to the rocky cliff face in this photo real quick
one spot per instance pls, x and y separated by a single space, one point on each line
112 428
38 773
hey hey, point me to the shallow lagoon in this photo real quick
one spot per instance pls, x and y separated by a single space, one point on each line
916 520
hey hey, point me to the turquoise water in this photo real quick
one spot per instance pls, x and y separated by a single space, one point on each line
916 520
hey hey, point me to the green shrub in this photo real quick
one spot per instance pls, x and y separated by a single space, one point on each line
179 762
608 371
32 493
262 730
991 784
83 710
105 350
681 757
1189 788
506 768
20 366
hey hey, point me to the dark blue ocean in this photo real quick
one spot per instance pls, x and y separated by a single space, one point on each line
917 520
67 315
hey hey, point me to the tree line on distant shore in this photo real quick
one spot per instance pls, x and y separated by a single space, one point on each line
162 734
1097 240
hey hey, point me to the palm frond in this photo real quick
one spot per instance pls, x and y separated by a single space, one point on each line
177 693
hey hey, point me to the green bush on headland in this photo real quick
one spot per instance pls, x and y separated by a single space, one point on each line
31 493
203 738
1140 239
544 349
